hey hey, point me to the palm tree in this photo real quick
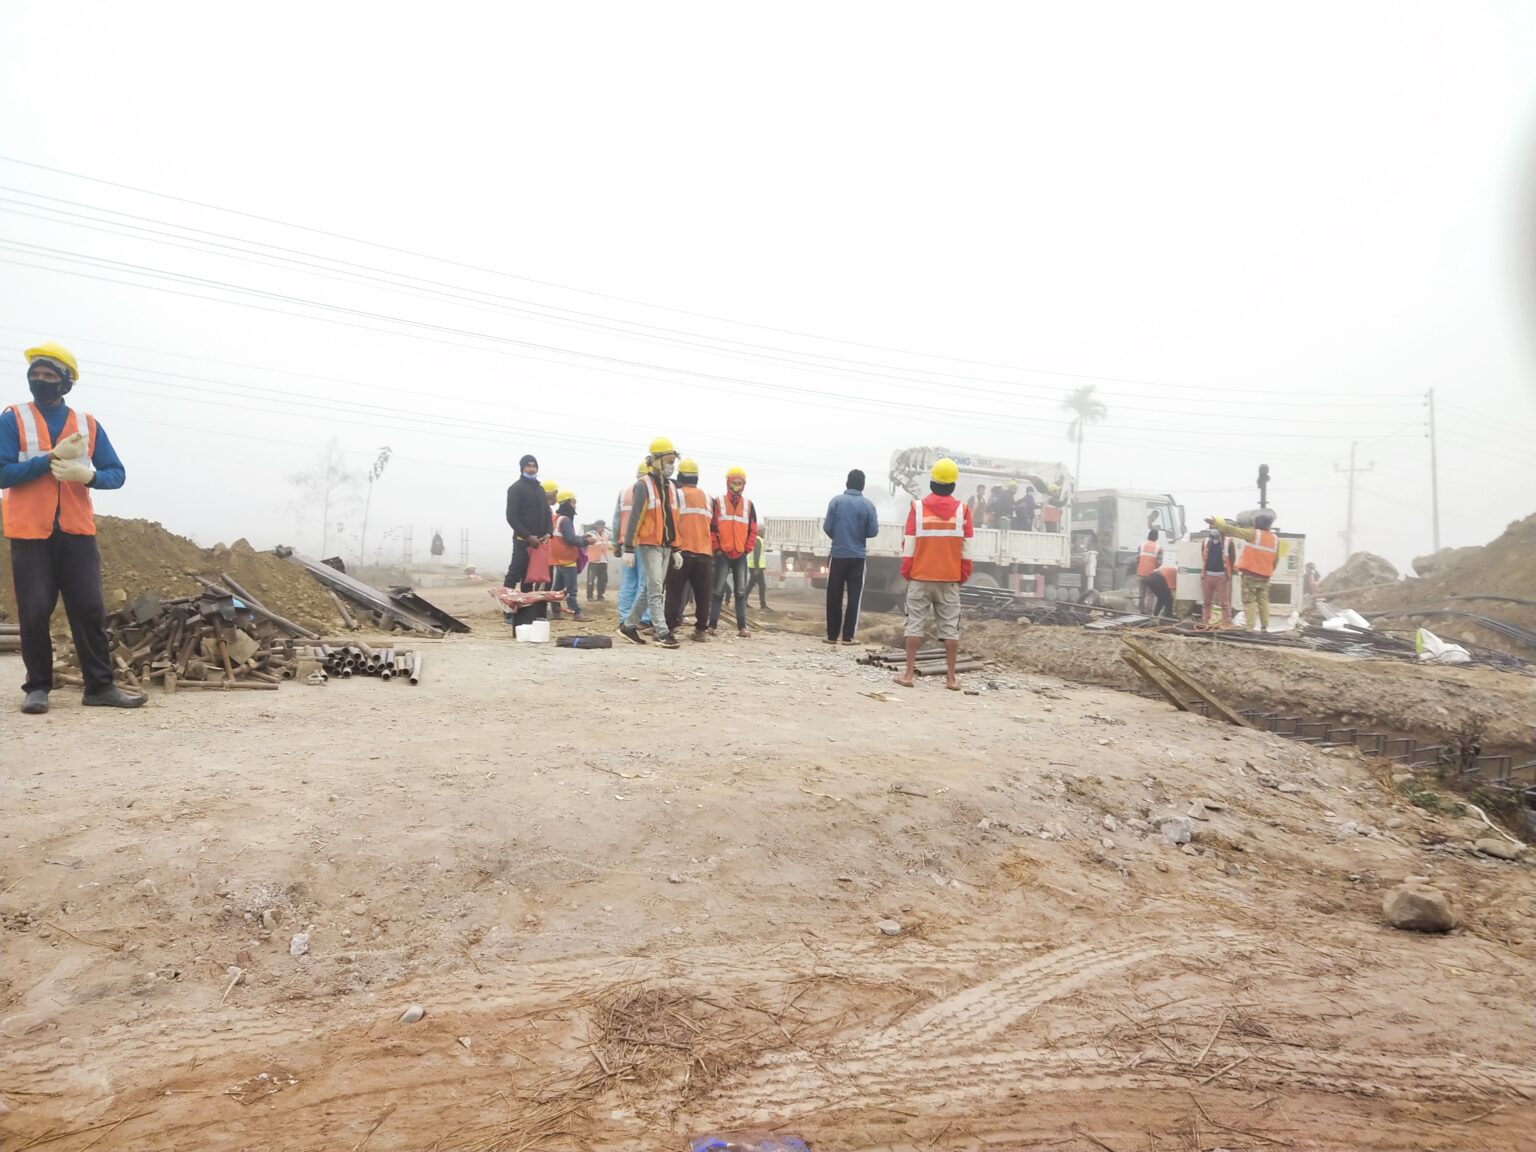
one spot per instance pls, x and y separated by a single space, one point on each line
1086 409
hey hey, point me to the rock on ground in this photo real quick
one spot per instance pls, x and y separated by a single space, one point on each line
1417 909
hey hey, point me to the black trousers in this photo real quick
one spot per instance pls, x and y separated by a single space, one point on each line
517 572
755 580
697 575
845 576
42 570
597 580
1161 593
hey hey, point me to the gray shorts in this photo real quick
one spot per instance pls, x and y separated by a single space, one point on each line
927 599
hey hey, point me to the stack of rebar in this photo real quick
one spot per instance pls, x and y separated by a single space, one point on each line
10 637
930 660
348 658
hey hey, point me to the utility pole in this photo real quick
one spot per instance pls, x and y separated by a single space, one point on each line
1434 470
1349 513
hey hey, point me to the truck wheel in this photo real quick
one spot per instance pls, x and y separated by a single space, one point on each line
982 580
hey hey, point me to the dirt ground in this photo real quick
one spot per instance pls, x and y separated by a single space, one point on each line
638 895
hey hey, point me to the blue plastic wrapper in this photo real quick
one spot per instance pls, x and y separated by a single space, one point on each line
747 1143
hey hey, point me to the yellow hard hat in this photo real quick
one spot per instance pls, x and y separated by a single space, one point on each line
661 446
563 496
735 472
689 467
945 471
550 487
645 466
56 352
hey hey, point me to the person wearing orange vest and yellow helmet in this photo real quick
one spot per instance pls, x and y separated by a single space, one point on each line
565 545
630 584
733 530
693 542
936 560
1262 549
51 456
650 540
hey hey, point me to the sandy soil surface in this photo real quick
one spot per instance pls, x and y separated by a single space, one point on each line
638 895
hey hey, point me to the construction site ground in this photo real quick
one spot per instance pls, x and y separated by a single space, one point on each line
751 885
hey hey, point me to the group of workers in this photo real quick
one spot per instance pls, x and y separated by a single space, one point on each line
675 544
1007 510
1221 557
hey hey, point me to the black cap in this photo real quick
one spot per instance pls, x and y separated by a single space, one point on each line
527 460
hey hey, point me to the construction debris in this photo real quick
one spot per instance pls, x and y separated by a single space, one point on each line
930 660
346 659
398 608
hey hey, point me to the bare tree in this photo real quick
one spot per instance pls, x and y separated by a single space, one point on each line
1087 409
373 474
327 490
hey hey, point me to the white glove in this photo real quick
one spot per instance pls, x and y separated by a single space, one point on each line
72 471
70 448
677 559
629 559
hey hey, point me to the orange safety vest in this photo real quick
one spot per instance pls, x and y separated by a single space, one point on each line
693 521
29 509
1170 575
597 551
1146 563
939 545
1258 556
653 524
732 527
1205 550
561 554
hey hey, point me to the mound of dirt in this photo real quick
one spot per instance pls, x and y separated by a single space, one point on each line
1362 570
141 556
1506 567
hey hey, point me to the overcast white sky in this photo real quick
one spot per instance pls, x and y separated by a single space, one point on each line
1263 232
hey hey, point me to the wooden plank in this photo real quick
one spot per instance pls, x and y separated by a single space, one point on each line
1154 678
1179 676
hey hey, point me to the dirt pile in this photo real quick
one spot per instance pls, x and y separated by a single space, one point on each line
1506 567
1362 570
141 556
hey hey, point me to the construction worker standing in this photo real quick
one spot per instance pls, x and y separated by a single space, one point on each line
734 528
630 584
51 456
1148 561
565 546
693 541
597 561
527 515
757 576
649 541
1217 555
936 560
1255 563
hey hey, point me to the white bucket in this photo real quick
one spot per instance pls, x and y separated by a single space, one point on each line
535 633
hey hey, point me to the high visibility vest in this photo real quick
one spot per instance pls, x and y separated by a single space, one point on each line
653 522
561 554
597 551
693 521
1259 555
1170 575
1205 552
1146 563
756 559
939 545
733 525
28 510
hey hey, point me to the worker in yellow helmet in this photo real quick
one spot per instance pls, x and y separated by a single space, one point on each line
650 541
936 560
630 583
565 551
694 545
735 536
51 457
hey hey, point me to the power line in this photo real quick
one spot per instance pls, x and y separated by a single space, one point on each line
602 295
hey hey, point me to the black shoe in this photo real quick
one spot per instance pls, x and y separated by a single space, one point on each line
113 697
36 702
631 634
667 640
701 637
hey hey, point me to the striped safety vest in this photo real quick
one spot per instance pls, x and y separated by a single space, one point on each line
1259 555
29 509
693 520
939 545
733 526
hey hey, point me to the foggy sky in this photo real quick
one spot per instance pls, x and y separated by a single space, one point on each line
791 237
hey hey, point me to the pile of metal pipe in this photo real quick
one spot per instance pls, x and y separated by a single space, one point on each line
347 658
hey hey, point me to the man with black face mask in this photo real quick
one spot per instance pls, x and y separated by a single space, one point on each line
51 456
528 517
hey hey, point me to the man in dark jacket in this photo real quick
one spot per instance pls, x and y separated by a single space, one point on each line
528 517
851 521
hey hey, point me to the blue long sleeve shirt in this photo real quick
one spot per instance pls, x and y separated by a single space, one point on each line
851 520
109 469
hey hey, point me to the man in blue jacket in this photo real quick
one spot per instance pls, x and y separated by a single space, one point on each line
851 520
